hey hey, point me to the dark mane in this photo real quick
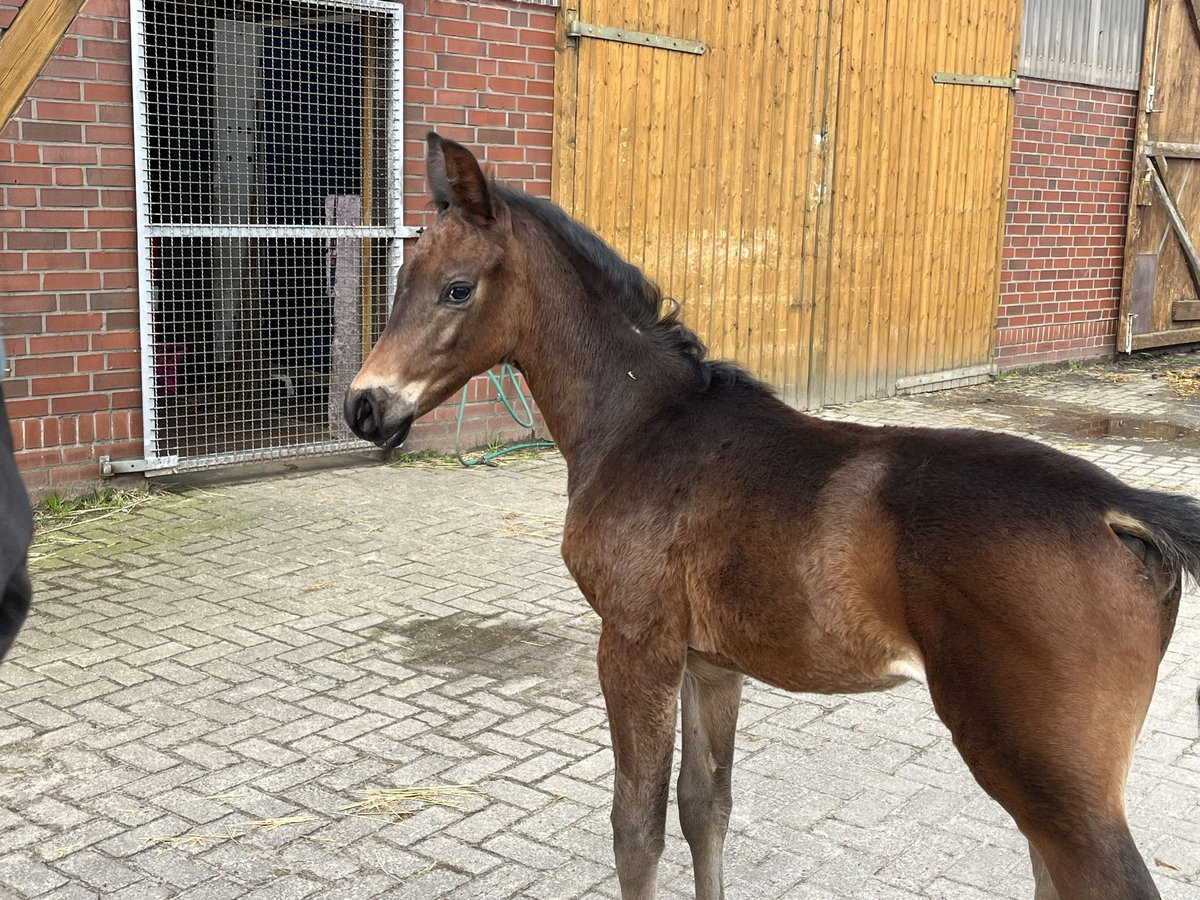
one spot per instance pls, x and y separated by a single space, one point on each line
638 297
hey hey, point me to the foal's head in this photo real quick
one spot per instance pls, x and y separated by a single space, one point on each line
457 310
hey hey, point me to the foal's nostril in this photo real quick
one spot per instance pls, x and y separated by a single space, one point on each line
368 414
376 412
363 414
373 417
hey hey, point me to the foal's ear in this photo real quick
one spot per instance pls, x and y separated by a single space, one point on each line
455 178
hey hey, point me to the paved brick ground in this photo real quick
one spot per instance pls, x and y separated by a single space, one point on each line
264 648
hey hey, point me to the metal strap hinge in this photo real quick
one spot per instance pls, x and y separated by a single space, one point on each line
1000 81
577 29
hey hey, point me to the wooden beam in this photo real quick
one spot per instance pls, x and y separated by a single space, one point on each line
1185 311
1172 149
27 46
566 107
1140 165
1165 338
1193 11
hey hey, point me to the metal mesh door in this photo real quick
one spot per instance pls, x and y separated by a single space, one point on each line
268 139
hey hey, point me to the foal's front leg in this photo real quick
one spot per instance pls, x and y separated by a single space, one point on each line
640 680
711 697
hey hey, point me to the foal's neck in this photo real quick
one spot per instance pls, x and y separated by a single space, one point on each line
595 375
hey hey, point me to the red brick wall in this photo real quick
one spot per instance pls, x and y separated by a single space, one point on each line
483 75
478 72
1064 235
69 314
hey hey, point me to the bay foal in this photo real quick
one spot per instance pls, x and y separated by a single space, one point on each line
718 532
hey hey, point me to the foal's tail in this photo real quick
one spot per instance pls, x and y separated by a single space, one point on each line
1171 522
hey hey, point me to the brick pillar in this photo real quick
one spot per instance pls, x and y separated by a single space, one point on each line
1064 237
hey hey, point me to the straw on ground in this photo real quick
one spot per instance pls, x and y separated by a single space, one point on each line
230 832
399 803
394 803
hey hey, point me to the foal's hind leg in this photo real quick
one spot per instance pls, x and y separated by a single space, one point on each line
640 680
710 701
1043 886
1064 788
1045 711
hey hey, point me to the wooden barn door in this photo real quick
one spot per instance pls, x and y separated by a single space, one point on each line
1160 295
708 169
924 126
829 214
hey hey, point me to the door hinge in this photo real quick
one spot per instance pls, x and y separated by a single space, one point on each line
577 29
162 466
1001 81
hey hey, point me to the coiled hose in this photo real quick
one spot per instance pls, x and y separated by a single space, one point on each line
487 459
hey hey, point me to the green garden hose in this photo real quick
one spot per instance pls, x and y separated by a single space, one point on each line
506 371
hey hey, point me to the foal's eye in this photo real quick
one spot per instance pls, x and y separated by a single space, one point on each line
459 293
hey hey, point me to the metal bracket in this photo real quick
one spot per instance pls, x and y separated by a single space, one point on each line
110 467
577 29
1000 81
934 381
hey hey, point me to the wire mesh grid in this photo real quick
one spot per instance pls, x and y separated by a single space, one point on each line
268 146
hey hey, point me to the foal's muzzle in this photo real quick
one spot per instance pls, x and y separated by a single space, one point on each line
377 416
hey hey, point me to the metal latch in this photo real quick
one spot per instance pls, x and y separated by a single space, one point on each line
577 29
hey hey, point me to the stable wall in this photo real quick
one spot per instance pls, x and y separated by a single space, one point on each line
481 73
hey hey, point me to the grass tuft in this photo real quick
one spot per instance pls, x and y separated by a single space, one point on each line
57 519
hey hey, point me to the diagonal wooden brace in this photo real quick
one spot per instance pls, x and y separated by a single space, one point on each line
1157 165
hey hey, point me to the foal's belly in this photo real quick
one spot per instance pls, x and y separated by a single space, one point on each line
822 677
807 598
844 648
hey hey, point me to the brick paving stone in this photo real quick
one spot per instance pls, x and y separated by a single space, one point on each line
329 629
143 891
27 877
94 869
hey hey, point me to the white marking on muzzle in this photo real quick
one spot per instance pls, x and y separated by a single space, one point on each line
410 393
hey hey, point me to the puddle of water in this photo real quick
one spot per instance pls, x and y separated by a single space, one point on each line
1112 426
461 642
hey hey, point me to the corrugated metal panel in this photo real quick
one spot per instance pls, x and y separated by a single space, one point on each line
1087 41
829 216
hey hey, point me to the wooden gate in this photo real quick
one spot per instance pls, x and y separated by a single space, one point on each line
822 186
1160 295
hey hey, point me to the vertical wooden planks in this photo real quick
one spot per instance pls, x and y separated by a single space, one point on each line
821 185
827 215
917 231
566 105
